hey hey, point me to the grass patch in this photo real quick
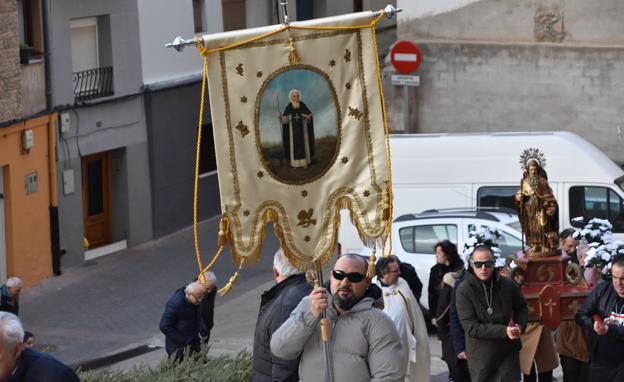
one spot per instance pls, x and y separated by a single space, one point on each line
325 150
199 367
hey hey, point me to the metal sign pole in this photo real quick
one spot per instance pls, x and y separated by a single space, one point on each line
406 119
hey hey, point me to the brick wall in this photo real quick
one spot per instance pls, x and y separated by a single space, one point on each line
10 68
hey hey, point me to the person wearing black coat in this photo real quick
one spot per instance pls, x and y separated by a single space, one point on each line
35 366
602 315
276 304
182 323
9 295
447 260
21 364
408 273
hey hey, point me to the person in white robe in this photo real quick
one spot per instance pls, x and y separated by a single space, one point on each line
402 307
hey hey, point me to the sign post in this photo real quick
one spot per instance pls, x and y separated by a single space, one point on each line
405 57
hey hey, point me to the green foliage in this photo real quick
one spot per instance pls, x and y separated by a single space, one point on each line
200 367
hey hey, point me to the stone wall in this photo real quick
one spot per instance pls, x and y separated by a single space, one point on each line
496 87
518 65
10 71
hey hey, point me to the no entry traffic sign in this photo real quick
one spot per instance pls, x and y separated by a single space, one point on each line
405 56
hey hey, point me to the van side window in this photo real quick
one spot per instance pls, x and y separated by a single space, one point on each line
422 238
497 197
597 202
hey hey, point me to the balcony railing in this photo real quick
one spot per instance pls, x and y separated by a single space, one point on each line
93 83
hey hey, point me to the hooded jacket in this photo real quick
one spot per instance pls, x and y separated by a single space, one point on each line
487 344
364 343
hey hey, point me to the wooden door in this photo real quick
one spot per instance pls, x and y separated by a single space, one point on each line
96 199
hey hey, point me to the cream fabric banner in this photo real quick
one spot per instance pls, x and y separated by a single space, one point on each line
299 134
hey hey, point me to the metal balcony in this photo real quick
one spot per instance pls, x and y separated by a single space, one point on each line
93 83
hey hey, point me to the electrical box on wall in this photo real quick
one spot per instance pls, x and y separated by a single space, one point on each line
68 181
65 121
31 183
28 140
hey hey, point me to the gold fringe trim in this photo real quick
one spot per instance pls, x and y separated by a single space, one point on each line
226 289
370 273
292 56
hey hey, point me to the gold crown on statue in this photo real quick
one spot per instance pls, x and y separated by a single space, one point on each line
532 154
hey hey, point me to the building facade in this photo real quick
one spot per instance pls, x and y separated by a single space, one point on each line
28 198
103 182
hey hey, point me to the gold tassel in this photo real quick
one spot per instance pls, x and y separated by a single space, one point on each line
371 265
292 56
226 289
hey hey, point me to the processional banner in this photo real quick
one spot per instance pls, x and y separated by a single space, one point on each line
299 131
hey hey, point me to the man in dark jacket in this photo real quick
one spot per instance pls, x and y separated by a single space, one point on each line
457 334
602 314
19 364
9 295
493 313
275 307
182 322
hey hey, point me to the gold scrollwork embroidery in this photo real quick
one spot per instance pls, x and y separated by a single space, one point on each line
305 218
242 128
355 113
347 55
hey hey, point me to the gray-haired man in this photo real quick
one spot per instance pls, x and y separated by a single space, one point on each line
18 363
275 307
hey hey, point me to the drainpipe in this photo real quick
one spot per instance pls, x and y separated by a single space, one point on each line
46 54
55 240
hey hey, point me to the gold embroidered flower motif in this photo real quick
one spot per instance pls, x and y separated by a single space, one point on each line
354 112
347 55
239 69
259 74
305 218
344 160
366 193
242 128
243 99
260 174
332 63
307 238
246 212
348 86
304 193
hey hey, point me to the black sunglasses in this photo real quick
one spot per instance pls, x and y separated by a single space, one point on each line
481 264
354 277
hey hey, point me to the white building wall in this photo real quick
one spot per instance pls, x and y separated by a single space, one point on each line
425 8
160 64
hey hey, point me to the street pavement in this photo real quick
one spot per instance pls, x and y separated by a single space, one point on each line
114 303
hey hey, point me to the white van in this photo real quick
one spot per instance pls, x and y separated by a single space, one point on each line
433 171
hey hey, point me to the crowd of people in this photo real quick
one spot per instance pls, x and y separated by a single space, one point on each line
19 361
378 330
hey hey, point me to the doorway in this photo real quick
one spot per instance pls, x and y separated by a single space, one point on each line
3 273
96 199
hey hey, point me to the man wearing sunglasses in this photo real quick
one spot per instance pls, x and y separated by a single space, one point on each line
493 313
364 343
